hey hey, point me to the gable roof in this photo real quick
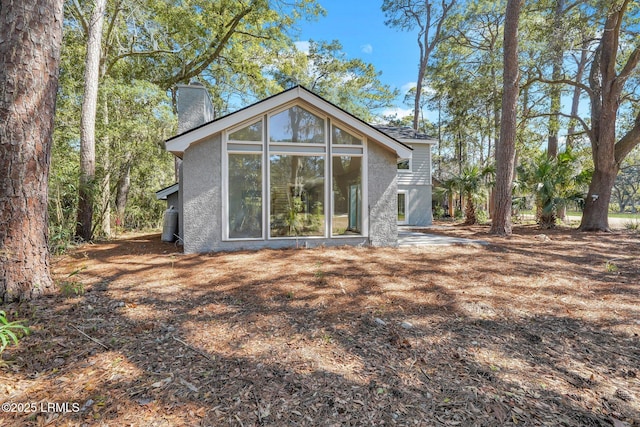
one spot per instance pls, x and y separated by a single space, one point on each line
179 143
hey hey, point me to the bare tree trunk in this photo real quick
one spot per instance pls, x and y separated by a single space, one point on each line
606 86
577 91
416 104
105 187
86 189
557 52
30 39
122 192
424 15
506 149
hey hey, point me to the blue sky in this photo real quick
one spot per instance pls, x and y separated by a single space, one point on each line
359 26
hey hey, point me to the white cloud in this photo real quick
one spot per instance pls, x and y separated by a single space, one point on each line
407 87
367 48
302 46
398 112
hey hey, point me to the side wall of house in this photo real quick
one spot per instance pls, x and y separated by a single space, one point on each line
417 184
202 203
419 207
420 173
202 192
383 196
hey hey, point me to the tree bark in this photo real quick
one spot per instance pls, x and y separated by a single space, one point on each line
577 91
86 188
105 187
506 150
606 86
122 192
30 39
416 103
557 53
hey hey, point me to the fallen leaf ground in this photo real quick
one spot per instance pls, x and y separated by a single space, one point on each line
529 330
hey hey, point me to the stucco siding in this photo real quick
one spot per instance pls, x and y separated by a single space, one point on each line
420 173
301 242
180 206
202 182
194 107
202 203
419 211
382 193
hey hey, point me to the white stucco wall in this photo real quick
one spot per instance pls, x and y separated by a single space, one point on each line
383 193
202 192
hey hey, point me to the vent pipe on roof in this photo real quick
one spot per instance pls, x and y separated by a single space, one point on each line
194 106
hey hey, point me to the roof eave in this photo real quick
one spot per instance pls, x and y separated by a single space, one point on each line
419 141
179 144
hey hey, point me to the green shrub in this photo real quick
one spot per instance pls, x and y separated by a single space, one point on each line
482 217
634 224
10 331
438 212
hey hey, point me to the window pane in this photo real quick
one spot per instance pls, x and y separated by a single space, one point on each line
347 195
250 133
297 196
296 125
403 165
245 196
402 203
340 136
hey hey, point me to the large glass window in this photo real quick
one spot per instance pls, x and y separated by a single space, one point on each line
297 195
296 125
289 198
340 136
245 196
347 195
250 133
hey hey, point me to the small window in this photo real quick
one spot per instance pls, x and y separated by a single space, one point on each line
339 136
402 207
250 133
296 125
404 165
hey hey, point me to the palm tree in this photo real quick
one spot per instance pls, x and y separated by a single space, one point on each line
470 182
554 182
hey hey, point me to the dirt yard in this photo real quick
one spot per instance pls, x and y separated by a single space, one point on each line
537 329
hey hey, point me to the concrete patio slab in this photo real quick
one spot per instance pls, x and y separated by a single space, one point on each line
408 238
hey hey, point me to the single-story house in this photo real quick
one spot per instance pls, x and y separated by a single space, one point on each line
291 170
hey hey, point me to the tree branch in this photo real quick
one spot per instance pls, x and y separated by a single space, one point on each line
191 69
115 60
559 81
631 64
628 142
80 15
584 124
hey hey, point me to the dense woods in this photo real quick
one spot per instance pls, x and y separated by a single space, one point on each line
573 116
245 51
